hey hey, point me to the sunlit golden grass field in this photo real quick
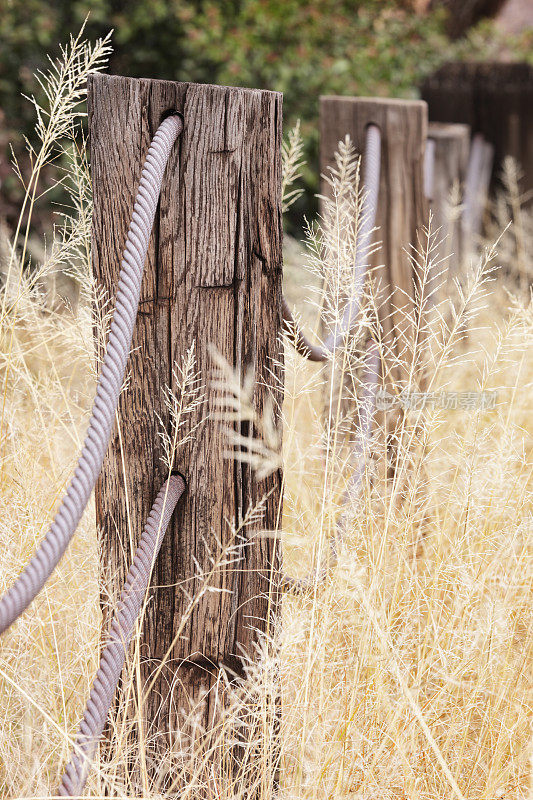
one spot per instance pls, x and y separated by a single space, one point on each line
406 672
407 675
410 674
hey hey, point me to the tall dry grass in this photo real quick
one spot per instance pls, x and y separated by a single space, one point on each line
407 672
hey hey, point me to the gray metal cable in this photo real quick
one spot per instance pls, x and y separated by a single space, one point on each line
371 178
62 529
367 403
429 168
120 636
477 183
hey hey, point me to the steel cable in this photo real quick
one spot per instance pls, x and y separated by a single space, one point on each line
429 168
367 403
48 554
477 183
371 180
120 636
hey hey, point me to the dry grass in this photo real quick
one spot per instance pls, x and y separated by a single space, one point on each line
407 674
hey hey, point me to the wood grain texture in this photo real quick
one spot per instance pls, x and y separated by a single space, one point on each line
402 206
452 146
212 278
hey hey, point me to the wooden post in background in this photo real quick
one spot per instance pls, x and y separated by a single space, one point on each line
212 278
496 100
451 148
402 205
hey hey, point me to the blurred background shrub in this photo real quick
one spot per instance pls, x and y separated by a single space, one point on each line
302 48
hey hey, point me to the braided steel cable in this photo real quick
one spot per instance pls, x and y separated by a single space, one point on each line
477 183
62 529
429 168
472 180
367 404
371 178
120 636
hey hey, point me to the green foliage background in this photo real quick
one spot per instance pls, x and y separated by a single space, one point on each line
302 48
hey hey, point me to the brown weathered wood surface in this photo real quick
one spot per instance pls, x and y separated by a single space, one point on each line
402 205
212 278
452 146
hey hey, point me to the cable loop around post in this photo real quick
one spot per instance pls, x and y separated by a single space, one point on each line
38 570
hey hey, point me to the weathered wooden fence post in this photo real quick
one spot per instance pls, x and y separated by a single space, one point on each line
495 99
451 149
212 279
402 205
